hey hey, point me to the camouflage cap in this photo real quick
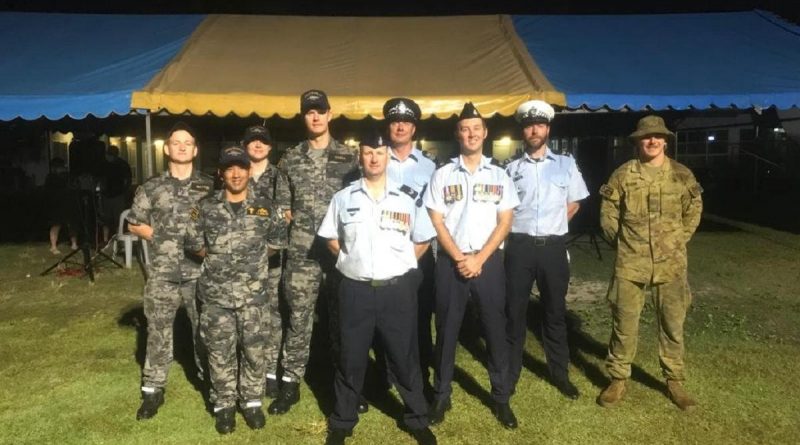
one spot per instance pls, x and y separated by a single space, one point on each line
651 125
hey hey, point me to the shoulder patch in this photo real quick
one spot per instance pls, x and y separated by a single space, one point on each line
696 190
606 191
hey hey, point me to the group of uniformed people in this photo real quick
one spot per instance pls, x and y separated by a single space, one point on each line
357 228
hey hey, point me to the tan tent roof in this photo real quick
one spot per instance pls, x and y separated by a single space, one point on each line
261 64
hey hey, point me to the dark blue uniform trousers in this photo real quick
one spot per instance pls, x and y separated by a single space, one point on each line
389 311
546 263
452 294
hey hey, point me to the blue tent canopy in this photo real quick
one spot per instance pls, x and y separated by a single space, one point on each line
671 61
58 65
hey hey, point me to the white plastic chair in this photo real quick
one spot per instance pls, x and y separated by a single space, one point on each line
127 238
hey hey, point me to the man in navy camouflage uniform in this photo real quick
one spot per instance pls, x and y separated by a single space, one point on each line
317 168
234 230
160 215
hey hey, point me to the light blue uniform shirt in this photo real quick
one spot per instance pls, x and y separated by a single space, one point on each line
544 187
415 171
470 202
376 237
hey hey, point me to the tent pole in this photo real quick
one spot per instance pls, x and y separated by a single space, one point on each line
148 153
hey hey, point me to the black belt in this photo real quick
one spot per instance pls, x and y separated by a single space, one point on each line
542 240
381 283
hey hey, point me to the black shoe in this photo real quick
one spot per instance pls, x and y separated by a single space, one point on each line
226 420
254 417
336 436
363 406
424 436
288 396
504 414
566 388
151 401
271 389
437 410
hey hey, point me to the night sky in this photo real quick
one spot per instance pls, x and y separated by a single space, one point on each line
789 9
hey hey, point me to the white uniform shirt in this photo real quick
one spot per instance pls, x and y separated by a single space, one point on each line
376 238
415 171
470 202
544 187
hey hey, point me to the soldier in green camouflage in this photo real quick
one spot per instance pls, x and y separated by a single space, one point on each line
264 180
317 168
651 207
235 231
160 215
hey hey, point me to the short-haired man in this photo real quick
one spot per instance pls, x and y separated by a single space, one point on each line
235 230
317 168
377 230
651 207
549 186
471 203
264 180
160 215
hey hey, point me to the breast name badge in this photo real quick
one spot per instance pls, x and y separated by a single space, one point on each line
452 193
487 193
395 221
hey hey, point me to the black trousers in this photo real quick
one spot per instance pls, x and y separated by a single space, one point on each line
452 294
391 313
527 261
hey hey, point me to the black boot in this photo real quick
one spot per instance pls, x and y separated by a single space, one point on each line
288 396
437 410
254 417
226 420
151 401
272 389
363 406
424 436
504 414
336 436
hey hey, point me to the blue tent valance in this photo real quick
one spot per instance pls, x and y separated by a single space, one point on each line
58 65
670 61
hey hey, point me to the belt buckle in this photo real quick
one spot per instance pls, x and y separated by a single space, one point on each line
539 240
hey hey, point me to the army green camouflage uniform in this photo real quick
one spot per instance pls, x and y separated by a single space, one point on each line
651 219
164 202
312 183
265 187
234 291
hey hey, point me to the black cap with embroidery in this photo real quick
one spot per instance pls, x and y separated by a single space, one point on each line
314 100
401 109
469 112
256 132
373 138
233 155
181 126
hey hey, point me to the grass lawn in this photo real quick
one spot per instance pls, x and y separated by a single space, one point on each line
71 353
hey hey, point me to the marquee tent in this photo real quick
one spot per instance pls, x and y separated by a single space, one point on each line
73 65
261 64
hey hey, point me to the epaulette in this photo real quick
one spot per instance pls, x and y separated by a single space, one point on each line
497 163
429 155
409 191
